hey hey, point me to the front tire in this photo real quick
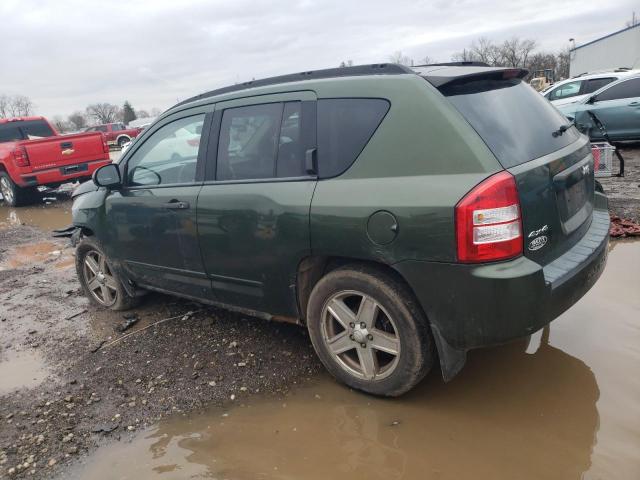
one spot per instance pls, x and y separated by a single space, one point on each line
122 141
369 332
13 195
99 281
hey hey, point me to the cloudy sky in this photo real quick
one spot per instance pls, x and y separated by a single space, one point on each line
65 54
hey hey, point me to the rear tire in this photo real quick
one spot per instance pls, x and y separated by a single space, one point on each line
381 343
100 283
16 196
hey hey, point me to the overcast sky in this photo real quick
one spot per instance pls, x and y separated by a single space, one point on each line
65 54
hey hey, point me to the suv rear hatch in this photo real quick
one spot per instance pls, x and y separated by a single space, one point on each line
552 166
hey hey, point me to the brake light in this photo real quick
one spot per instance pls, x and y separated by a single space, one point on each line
105 145
20 157
488 221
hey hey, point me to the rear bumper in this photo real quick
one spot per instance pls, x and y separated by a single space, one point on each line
63 174
472 306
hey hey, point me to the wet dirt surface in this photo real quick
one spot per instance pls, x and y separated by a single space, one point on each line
71 380
560 405
624 192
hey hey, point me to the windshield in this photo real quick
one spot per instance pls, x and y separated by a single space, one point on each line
515 121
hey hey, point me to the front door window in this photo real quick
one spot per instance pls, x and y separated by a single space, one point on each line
169 156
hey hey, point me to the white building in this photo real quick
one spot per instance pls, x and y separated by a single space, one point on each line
618 49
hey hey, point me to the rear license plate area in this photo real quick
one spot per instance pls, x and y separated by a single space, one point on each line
71 169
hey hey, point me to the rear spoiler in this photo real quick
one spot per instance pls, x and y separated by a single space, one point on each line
443 75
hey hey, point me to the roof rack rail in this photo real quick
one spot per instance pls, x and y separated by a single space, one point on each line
455 64
357 70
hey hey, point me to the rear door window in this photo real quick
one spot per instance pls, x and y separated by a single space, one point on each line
626 89
596 84
345 126
513 119
248 142
262 141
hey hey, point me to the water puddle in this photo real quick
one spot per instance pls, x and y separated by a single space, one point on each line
29 254
56 214
21 370
560 405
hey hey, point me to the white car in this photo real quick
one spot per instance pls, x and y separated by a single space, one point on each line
578 88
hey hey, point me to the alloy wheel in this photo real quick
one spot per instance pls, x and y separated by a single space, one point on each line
361 335
99 278
6 189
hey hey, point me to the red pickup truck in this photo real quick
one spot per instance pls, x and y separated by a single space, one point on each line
116 133
32 153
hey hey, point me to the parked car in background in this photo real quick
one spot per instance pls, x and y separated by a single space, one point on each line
578 88
32 153
616 105
398 213
116 133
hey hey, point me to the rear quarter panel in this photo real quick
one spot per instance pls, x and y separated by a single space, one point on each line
422 159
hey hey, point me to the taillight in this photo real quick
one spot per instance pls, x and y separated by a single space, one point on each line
105 145
20 157
488 221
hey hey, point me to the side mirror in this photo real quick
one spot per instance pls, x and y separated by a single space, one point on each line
592 100
107 176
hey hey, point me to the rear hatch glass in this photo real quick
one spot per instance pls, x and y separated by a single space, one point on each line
553 172
514 120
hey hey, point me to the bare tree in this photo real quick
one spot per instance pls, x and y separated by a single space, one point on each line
484 50
635 20
142 114
103 112
563 63
78 120
465 55
61 124
15 106
348 63
155 112
400 58
4 106
427 60
515 52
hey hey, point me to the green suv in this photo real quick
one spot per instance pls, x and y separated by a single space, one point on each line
405 216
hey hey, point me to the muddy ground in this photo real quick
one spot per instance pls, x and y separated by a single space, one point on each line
624 192
70 381
83 396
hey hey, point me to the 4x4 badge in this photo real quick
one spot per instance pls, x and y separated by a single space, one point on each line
538 242
535 233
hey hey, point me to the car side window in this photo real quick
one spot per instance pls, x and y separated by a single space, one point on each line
626 89
567 90
116 127
596 84
291 147
169 155
102 128
248 142
345 126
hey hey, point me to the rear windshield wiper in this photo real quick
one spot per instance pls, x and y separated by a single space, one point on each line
564 128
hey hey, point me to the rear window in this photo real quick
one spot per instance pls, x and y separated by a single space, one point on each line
345 126
514 120
29 130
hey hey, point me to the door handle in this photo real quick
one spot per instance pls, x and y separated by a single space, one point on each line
176 205
634 104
